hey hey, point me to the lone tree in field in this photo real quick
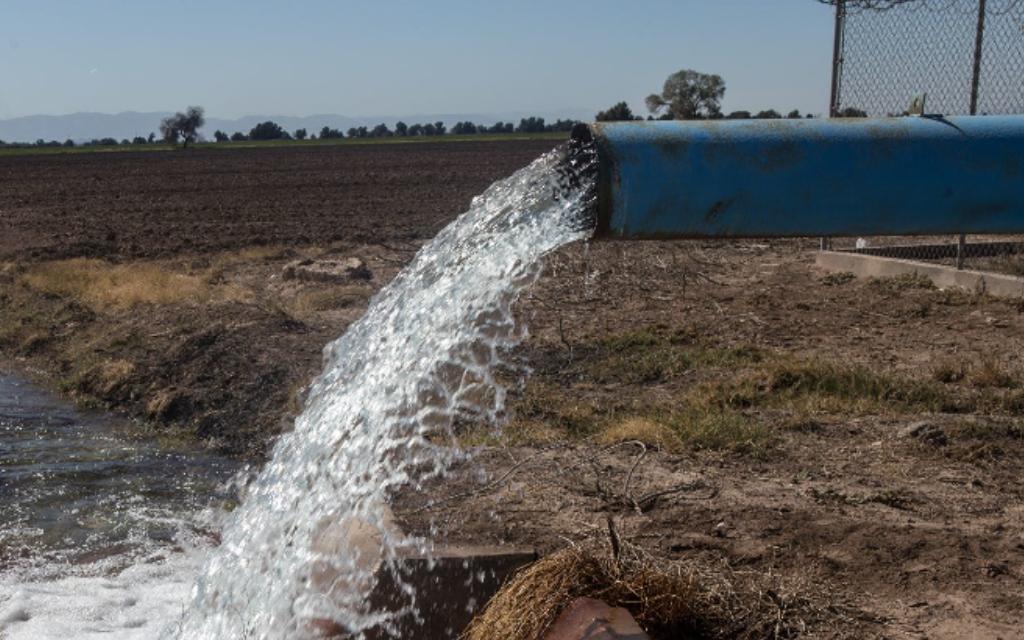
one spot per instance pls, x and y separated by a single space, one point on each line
183 126
689 95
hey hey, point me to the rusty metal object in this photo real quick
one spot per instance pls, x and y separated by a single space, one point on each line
590 619
837 177
450 585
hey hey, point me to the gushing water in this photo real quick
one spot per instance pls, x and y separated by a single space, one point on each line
380 417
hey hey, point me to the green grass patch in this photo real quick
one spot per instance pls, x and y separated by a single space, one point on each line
649 356
819 386
721 430
901 283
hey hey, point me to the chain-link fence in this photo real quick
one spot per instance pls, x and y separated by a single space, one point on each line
964 56
967 56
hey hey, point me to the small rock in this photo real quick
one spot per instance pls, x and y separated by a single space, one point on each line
327 270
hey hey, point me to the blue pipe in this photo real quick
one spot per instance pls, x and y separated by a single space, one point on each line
837 177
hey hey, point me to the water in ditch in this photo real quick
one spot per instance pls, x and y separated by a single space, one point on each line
101 533
379 417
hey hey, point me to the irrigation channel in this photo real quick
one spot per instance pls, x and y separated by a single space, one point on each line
120 540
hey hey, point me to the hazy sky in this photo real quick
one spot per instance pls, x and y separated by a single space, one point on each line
402 57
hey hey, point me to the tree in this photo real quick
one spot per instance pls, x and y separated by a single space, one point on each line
738 115
220 136
238 136
416 130
617 112
300 134
794 114
268 130
532 124
151 138
327 133
439 128
689 95
67 143
401 129
464 128
183 126
561 125
380 131
768 114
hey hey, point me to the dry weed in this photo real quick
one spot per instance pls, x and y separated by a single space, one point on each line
102 285
668 599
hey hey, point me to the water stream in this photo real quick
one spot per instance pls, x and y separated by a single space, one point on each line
381 416
101 532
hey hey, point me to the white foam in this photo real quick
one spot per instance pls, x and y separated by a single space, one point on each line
143 602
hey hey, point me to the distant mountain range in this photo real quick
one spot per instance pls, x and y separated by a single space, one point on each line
128 124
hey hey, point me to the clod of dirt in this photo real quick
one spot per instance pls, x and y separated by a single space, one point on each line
925 432
329 270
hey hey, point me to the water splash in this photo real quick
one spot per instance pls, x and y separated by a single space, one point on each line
381 414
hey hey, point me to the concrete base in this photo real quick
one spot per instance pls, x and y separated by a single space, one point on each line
864 266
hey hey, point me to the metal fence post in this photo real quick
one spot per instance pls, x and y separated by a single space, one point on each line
837 74
837 59
979 42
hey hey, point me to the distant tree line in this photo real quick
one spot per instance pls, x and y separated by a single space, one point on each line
272 131
95 142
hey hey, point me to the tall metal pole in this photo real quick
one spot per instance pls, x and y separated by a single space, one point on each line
837 72
837 58
979 41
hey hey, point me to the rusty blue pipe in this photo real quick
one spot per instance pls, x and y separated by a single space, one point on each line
844 177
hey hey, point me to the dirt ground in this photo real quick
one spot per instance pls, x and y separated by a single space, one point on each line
858 442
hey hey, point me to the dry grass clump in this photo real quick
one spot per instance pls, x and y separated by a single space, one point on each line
990 373
651 433
101 285
668 599
949 371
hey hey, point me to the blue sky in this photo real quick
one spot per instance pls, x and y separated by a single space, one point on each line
402 57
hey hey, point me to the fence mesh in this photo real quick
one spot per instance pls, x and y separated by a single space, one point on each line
967 56
891 53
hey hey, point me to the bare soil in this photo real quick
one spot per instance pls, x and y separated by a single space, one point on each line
861 442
